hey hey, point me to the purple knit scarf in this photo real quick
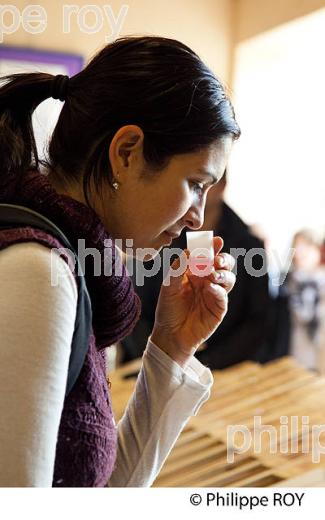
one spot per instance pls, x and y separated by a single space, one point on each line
87 438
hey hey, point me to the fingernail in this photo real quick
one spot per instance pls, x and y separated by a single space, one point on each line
221 260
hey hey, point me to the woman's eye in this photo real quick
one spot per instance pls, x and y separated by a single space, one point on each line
198 187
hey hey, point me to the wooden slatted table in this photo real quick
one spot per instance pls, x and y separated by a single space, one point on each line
275 391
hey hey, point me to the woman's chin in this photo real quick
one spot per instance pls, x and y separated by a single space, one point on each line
149 249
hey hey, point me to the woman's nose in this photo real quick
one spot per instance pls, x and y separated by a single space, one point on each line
194 218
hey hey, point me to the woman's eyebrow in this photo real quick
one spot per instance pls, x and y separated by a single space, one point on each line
207 173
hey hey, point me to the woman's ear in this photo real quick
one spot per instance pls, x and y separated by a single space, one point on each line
125 147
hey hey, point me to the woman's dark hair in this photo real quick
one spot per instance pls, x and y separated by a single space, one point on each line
157 83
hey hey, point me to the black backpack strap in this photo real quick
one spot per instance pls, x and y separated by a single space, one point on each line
19 216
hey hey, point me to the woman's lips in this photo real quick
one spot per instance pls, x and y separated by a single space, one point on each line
169 237
172 235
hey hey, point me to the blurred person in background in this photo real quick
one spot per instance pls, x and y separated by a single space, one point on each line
305 291
243 333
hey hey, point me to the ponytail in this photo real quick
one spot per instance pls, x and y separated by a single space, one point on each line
19 97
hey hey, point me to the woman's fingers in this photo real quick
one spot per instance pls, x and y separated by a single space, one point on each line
225 278
217 303
224 261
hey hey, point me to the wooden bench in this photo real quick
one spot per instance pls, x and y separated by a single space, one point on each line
200 457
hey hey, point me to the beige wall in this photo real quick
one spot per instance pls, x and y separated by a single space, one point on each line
256 16
211 27
204 25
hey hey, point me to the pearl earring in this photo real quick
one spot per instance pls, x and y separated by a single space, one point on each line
116 185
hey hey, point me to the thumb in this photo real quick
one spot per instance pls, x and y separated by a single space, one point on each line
217 244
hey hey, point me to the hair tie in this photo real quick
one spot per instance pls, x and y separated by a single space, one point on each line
59 87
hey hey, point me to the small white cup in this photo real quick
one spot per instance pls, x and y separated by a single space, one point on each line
200 246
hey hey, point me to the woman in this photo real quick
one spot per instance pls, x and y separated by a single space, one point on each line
144 131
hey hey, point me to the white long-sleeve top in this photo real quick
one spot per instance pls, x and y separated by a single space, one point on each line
38 300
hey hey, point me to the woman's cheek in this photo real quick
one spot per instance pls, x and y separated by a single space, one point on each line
178 204
185 200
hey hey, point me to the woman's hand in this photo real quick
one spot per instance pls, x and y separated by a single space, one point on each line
191 308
